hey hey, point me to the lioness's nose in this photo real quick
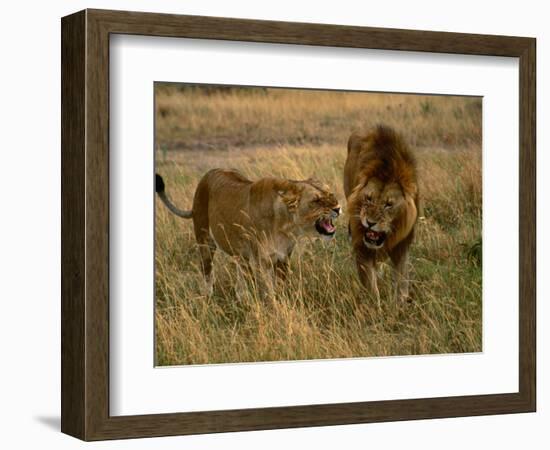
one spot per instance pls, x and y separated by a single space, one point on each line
337 210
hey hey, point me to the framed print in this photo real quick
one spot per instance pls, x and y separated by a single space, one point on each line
270 224
291 139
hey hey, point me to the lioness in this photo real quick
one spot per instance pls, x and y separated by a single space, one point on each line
258 221
380 184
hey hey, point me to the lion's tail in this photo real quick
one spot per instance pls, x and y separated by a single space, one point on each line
159 188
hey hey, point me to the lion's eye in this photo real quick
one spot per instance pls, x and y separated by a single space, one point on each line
368 199
388 205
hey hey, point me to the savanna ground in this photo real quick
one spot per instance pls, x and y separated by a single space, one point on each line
321 312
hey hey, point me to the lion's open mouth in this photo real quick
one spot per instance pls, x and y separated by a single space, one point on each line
324 226
374 239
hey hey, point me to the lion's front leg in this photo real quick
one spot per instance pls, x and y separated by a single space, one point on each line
366 267
400 260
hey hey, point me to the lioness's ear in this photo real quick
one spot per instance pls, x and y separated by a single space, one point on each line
317 183
290 195
313 180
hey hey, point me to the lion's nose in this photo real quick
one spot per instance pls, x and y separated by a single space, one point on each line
371 224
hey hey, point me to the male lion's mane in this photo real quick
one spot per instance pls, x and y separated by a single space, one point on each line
382 154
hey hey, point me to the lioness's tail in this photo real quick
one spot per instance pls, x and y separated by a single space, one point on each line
159 187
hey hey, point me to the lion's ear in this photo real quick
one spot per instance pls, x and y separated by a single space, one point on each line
361 183
412 190
410 216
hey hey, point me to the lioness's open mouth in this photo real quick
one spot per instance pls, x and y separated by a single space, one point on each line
325 226
374 239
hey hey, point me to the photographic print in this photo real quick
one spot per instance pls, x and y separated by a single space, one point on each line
299 224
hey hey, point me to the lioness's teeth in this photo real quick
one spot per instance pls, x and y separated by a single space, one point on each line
328 226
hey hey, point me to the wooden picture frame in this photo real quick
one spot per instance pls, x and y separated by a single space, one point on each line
85 224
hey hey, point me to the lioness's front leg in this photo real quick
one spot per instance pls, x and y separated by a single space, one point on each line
264 271
282 269
367 273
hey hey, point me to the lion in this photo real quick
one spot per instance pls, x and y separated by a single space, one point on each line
257 221
381 189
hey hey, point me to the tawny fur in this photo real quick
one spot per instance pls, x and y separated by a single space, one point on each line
381 188
257 221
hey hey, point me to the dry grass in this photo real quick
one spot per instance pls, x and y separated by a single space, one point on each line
189 119
321 312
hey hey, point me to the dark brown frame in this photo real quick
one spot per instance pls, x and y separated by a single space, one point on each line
85 224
